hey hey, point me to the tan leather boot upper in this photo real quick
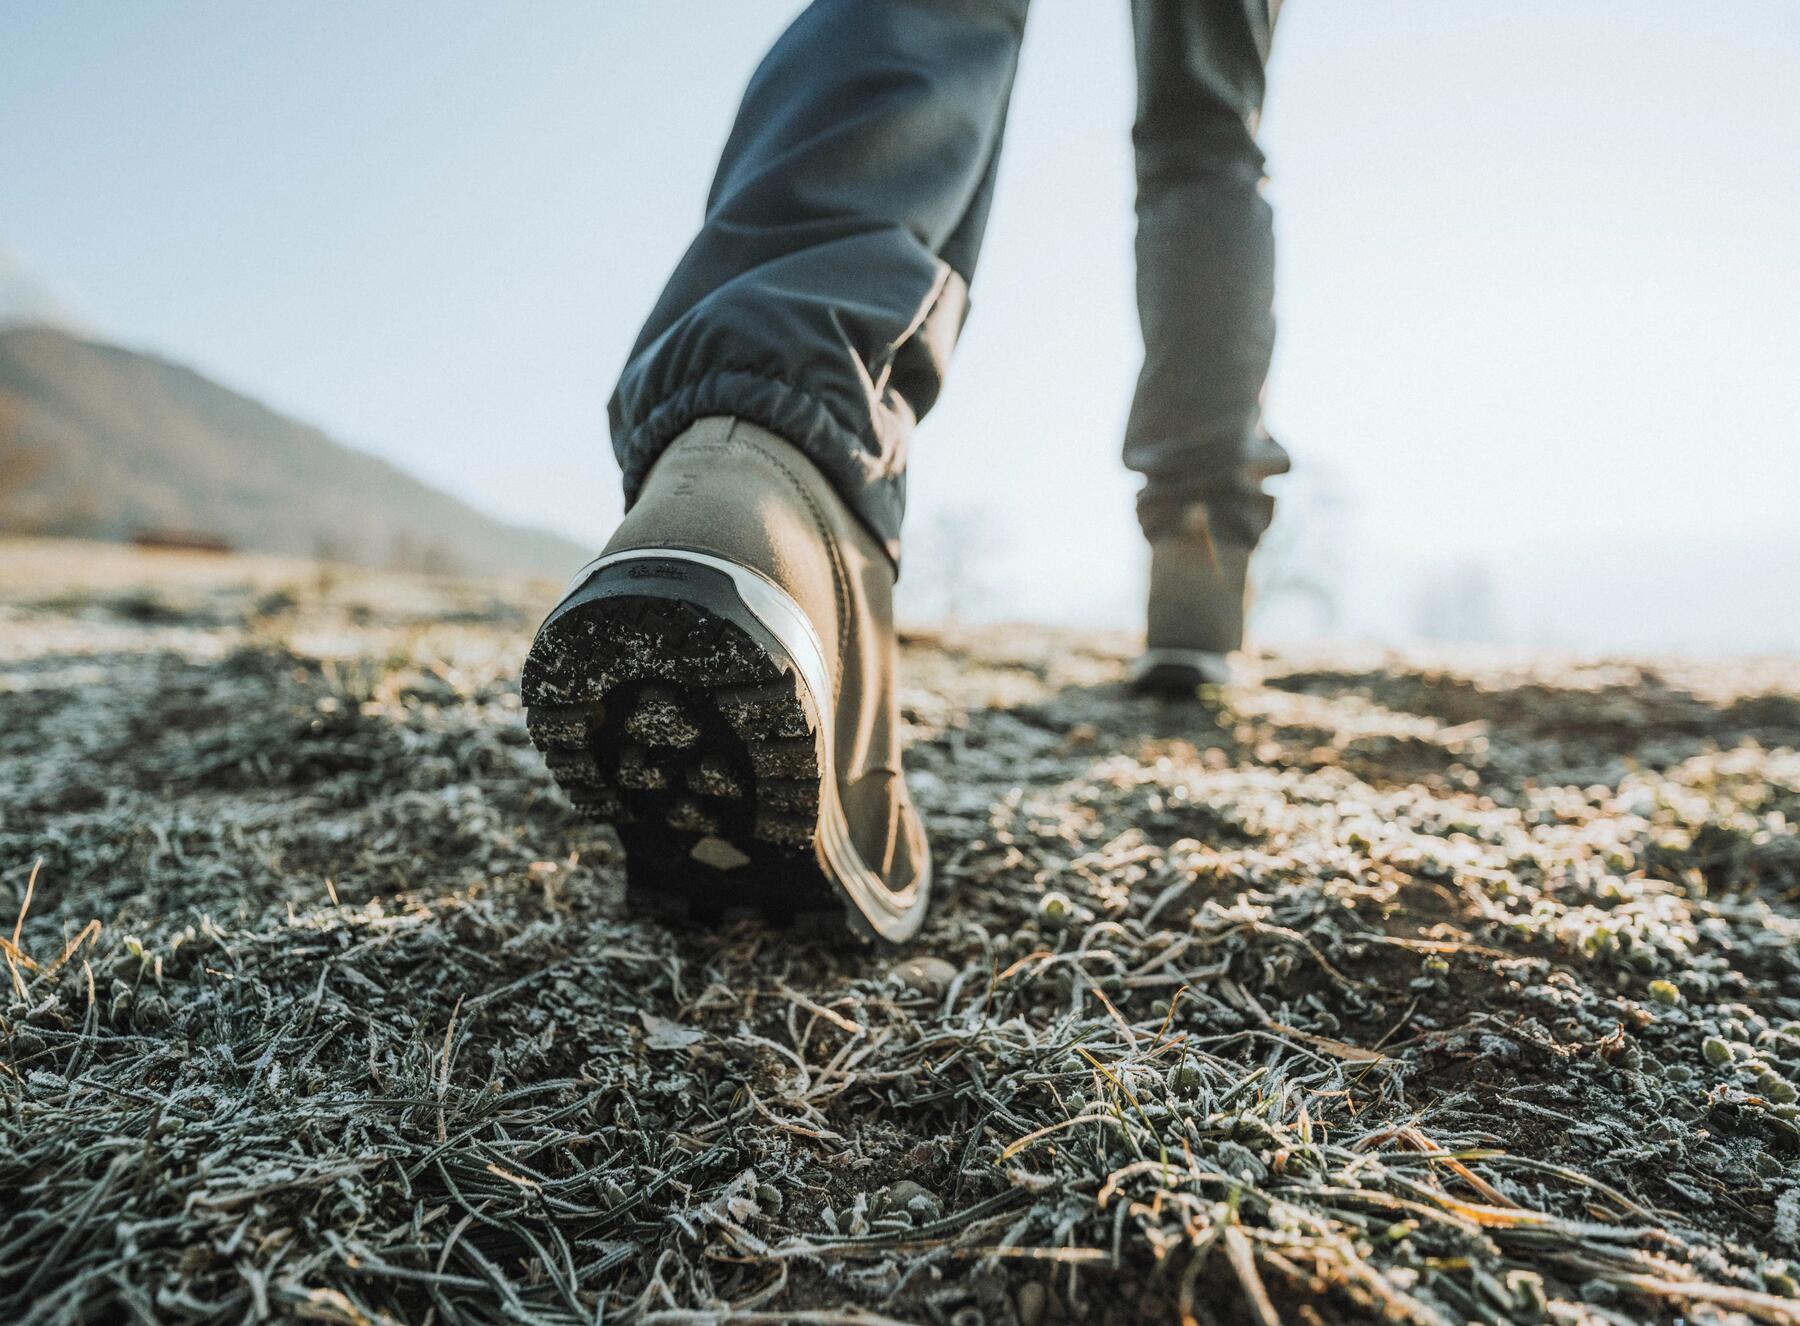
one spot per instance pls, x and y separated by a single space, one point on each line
1197 589
738 492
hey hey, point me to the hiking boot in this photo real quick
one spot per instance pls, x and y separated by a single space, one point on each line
719 685
1197 601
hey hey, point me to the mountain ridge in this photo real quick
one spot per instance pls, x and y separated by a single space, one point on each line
104 442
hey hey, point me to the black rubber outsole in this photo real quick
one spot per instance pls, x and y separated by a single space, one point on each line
664 708
1169 681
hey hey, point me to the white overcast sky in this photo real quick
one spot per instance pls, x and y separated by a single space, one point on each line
1539 293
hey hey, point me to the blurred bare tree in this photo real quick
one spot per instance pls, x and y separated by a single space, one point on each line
1297 577
944 561
1457 605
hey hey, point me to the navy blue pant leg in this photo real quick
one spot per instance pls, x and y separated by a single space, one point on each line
829 280
1205 267
828 284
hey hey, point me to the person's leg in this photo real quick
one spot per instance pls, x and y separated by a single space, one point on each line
1205 279
719 683
829 280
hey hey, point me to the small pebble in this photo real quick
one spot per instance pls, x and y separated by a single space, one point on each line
1031 1304
914 1198
927 975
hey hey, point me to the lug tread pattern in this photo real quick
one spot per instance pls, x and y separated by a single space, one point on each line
670 722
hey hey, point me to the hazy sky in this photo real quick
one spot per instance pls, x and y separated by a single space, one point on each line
1538 291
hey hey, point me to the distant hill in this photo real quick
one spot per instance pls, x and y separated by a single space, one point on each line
101 442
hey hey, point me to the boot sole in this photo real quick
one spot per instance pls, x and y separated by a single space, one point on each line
1178 673
676 696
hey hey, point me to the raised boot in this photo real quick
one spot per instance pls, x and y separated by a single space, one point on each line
719 685
1198 592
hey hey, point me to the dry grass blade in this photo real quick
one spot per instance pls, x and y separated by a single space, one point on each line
1243 1264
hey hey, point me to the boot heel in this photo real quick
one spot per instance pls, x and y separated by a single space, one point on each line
664 707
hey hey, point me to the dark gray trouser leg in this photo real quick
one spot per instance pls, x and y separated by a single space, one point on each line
1205 267
830 278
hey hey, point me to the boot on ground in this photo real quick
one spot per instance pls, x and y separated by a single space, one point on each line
1198 598
719 685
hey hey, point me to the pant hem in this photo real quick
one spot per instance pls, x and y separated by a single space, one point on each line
792 414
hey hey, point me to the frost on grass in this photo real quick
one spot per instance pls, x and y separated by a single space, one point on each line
1384 991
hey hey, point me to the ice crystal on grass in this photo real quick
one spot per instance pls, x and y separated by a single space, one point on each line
1382 993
